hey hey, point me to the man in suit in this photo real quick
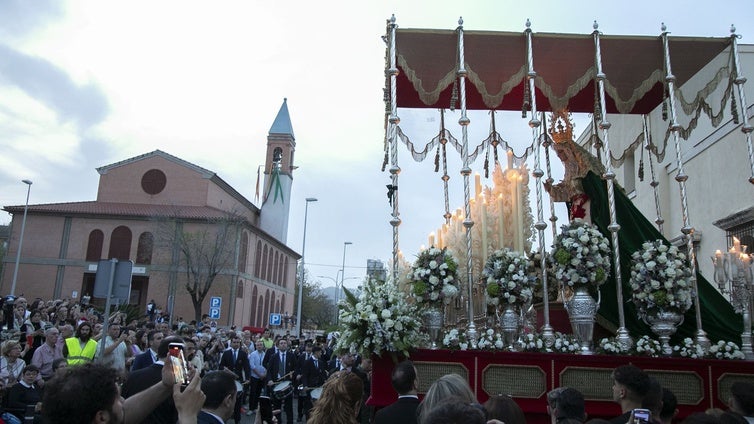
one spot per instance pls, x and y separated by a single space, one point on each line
402 411
144 378
219 406
150 356
258 374
236 360
301 358
313 374
282 367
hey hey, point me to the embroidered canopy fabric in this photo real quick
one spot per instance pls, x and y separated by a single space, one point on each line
565 65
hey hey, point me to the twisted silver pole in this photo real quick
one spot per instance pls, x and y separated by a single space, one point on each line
746 128
622 337
394 120
681 177
464 121
548 334
648 146
553 218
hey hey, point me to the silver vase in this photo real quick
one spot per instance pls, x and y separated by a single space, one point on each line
664 324
433 320
509 325
582 308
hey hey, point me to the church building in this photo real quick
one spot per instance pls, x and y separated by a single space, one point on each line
154 208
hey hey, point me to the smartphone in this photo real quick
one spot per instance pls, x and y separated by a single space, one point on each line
640 416
178 362
265 409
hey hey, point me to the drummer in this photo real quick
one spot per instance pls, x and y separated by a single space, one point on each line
314 374
280 370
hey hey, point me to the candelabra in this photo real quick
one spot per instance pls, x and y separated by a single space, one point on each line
733 275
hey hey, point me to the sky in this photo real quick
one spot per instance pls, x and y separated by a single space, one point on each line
87 83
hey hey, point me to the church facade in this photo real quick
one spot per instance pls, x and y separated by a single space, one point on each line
147 207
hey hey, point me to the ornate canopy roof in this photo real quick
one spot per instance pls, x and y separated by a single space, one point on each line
565 65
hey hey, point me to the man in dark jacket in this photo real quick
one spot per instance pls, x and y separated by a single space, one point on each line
402 411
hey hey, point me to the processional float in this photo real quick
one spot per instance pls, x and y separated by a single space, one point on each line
595 73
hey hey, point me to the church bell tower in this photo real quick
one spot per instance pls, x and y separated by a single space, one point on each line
278 176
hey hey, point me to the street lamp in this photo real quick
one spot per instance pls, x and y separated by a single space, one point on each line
21 237
301 271
342 279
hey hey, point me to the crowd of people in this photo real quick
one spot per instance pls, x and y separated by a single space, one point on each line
63 363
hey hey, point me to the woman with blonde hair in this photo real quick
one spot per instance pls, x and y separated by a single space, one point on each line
340 400
445 387
11 364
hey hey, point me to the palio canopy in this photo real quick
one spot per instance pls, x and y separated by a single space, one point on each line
565 65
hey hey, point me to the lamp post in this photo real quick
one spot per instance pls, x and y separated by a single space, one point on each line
21 237
342 279
301 271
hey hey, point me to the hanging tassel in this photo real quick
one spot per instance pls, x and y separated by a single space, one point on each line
437 159
597 107
527 99
664 102
641 168
454 95
733 106
487 165
384 161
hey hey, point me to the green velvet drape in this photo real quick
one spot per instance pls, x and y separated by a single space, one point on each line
719 319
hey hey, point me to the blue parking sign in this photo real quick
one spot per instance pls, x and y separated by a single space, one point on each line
214 313
215 302
275 319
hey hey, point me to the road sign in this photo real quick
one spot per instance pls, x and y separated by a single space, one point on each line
275 319
214 313
121 290
215 302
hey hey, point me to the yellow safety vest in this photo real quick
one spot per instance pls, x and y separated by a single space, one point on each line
77 355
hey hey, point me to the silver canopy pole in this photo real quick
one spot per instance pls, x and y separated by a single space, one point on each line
393 121
623 337
681 177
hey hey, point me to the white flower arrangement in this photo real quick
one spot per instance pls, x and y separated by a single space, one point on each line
490 339
565 343
726 350
510 278
581 255
647 346
379 320
455 339
532 342
660 279
433 277
689 349
610 346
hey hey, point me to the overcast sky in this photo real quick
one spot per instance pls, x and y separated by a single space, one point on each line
87 83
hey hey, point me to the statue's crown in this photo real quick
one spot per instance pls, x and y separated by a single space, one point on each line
561 126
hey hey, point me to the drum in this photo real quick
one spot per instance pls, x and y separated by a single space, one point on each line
282 390
239 386
315 393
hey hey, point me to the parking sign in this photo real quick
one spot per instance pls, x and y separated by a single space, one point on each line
214 313
215 302
275 319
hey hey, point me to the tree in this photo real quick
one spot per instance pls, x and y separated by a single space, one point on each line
316 308
203 253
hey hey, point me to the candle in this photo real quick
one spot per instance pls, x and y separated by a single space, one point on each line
439 238
736 244
431 239
477 185
483 207
510 159
501 222
520 210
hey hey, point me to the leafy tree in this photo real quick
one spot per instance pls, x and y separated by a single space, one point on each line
316 308
203 253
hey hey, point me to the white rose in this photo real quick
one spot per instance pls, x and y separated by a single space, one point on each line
432 264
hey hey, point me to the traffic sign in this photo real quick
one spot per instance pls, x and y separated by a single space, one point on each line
275 319
121 279
214 313
215 302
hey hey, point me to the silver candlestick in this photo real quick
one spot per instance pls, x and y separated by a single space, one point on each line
733 275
